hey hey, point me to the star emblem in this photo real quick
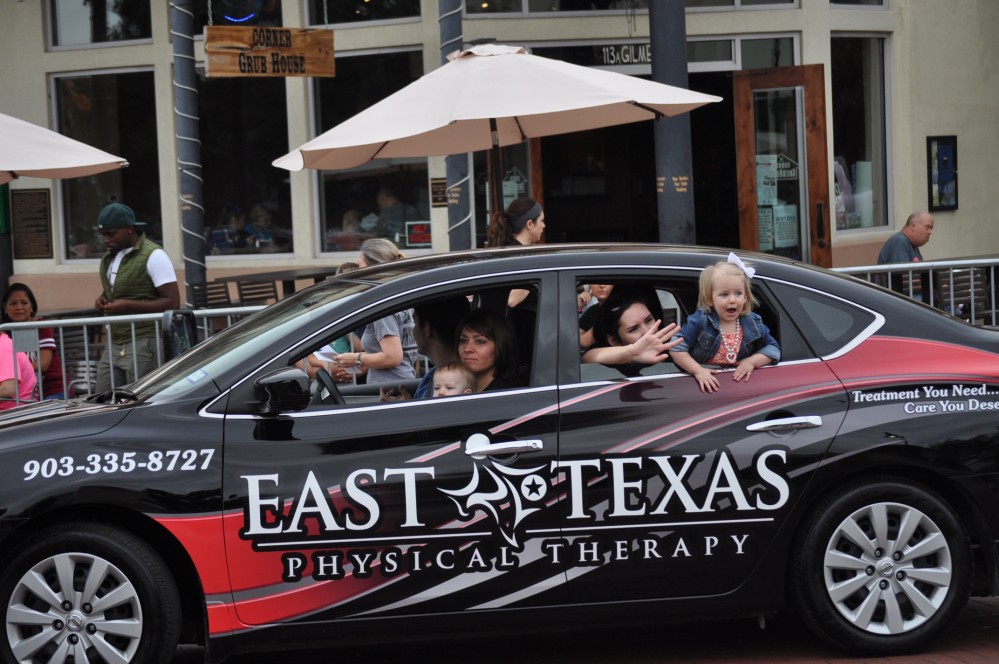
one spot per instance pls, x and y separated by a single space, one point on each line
503 493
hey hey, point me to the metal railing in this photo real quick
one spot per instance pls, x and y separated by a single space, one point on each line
80 341
963 287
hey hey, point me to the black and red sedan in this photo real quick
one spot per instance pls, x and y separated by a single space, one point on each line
227 500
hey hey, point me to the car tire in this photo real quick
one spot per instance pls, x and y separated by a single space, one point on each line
859 586
124 601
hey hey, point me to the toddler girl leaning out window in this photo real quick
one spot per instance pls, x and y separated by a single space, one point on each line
724 331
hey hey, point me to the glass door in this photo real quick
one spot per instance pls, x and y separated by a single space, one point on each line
782 164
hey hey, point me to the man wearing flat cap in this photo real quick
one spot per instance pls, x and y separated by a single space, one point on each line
138 278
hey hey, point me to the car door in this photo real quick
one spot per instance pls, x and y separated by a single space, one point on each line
671 492
374 510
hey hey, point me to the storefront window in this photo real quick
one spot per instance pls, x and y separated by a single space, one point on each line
710 4
735 4
384 198
115 113
858 110
322 12
545 6
237 12
584 5
494 7
76 23
244 125
766 53
710 50
515 181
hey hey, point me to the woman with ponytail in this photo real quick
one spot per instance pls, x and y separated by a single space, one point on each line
521 223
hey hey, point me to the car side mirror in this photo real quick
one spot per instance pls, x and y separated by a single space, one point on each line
282 391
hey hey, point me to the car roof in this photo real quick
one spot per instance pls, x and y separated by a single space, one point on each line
592 255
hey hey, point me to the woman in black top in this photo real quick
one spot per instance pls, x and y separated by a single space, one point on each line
627 331
487 347
521 224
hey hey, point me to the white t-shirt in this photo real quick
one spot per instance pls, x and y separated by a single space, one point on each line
159 267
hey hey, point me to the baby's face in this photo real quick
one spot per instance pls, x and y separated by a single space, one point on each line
450 383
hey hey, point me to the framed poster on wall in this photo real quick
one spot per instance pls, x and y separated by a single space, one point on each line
31 227
941 172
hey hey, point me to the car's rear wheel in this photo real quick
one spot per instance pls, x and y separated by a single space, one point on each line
884 567
89 593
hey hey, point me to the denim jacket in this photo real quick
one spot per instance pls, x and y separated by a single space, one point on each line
702 337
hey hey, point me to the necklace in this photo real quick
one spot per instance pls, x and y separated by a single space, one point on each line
732 342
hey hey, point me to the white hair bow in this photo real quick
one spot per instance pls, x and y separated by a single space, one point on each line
750 271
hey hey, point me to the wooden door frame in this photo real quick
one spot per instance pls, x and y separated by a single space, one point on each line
812 79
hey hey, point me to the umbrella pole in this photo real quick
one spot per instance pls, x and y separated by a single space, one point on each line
495 172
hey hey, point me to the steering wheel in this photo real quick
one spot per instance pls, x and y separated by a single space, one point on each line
326 382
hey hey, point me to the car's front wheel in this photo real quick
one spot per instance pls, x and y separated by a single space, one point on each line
89 593
884 567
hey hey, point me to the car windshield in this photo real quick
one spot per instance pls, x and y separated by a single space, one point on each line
246 343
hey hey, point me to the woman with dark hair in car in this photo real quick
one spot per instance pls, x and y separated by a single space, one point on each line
627 330
486 346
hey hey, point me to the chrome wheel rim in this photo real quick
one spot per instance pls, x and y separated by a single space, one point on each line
74 607
888 568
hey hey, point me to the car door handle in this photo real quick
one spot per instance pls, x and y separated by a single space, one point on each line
787 424
478 446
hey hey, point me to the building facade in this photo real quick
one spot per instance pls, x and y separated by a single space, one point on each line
838 118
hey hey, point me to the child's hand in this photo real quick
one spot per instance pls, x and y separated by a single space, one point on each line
706 380
743 370
746 366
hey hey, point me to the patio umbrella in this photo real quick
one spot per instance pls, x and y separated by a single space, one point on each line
29 150
486 97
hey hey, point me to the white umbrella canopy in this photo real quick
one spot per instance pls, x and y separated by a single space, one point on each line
27 150
451 109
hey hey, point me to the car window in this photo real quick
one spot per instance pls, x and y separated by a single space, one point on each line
675 299
668 300
482 335
828 324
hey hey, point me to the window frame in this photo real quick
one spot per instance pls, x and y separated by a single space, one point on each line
359 24
840 4
318 203
208 221
52 84
889 148
738 6
48 22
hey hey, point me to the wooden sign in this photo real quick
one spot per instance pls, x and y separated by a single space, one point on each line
248 51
